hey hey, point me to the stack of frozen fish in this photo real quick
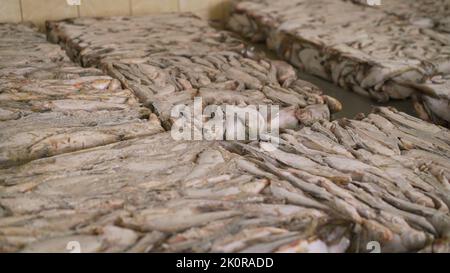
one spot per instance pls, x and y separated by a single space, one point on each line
169 59
99 175
331 187
50 106
387 174
151 194
393 51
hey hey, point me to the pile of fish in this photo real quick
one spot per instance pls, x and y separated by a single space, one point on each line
149 194
331 187
393 51
84 167
387 174
429 13
50 106
169 59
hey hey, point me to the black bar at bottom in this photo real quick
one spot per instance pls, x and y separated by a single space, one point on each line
223 262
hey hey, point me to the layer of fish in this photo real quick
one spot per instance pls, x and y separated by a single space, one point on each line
63 184
331 187
42 118
100 181
169 59
376 172
374 51
434 102
50 106
153 194
424 13
22 44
